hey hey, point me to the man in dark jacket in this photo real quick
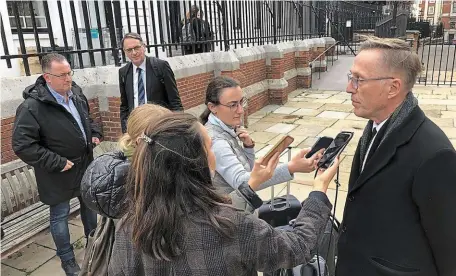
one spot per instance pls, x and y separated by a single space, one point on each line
400 213
54 133
145 79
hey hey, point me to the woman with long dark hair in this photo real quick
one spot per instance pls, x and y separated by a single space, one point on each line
177 224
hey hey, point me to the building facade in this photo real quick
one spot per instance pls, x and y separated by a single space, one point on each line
436 11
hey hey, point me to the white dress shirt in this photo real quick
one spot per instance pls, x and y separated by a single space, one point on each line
378 127
135 81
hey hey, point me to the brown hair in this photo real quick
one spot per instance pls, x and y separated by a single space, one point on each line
214 91
133 36
139 119
170 181
397 56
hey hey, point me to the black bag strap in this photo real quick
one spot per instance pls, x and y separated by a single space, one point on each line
158 72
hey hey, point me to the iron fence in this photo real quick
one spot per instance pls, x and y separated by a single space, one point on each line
91 31
392 27
438 58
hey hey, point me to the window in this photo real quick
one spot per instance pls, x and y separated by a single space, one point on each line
453 9
453 25
431 10
431 1
25 16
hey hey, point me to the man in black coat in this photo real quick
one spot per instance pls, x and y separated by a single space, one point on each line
54 133
400 213
145 79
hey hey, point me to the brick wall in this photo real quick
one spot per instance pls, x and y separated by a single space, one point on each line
289 61
7 129
111 120
292 85
253 72
237 75
258 101
192 91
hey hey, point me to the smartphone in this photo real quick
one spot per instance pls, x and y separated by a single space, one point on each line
322 143
335 149
280 147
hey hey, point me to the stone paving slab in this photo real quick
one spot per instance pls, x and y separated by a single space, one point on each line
285 110
281 128
29 258
300 118
39 257
306 112
9 271
333 115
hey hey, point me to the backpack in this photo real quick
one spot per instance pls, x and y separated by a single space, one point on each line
188 34
158 72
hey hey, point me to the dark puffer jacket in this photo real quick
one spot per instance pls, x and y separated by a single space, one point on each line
102 186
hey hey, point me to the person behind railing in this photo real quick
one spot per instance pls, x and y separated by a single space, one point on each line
177 224
194 31
232 145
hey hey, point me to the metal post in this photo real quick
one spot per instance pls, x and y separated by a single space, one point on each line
393 21
225 25
274 20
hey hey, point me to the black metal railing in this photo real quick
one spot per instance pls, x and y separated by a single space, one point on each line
438 58
334 50
94 40
90 32
390 27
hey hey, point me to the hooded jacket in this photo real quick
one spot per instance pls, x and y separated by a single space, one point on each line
45 136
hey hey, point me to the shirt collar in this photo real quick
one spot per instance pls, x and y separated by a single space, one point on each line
59 98
142 66
379 126
216 121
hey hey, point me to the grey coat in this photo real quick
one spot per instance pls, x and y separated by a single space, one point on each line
255 246
234 162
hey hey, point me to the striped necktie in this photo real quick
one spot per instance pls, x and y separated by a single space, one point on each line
141 94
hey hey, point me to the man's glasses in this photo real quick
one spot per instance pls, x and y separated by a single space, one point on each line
356 81
62 76
136 49
234 105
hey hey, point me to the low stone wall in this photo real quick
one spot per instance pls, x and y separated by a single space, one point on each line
266 73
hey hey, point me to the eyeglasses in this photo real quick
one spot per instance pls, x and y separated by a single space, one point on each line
356 81
64 75
234 105
136 49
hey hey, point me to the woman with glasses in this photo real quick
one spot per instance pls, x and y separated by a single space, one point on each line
232 145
